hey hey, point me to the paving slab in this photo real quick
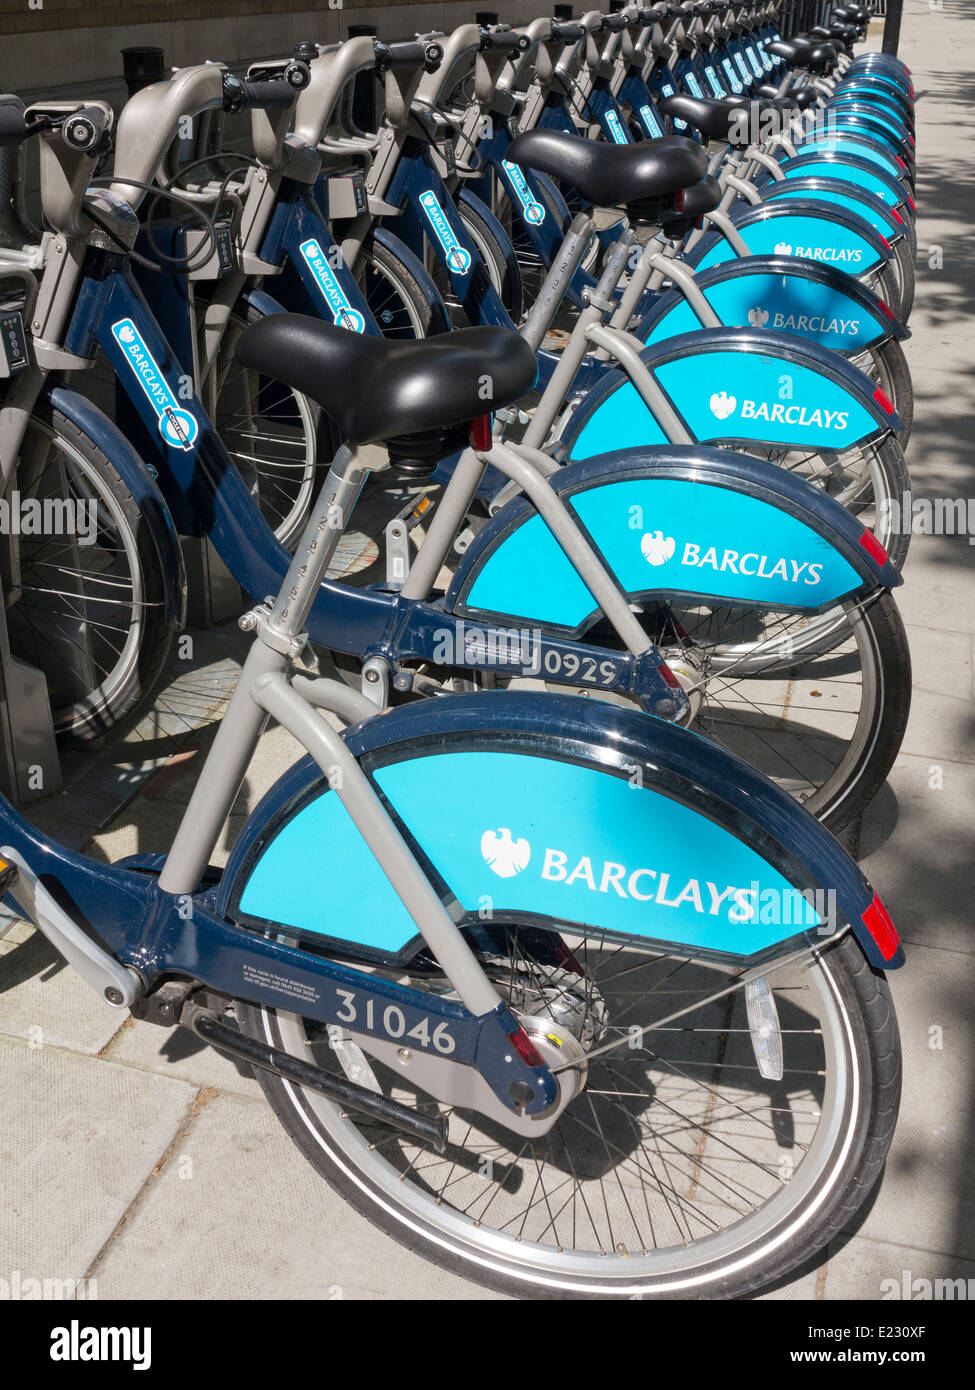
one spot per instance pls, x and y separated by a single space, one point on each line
238 1186
80 1137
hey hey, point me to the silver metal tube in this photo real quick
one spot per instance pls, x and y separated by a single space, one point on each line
565 530
561 271
447 519
391 852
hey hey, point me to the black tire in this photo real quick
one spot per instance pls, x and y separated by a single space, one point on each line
499 261
394 295
890 370
102 656
851 1167
293 440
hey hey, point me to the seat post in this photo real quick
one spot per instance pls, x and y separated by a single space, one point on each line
323 531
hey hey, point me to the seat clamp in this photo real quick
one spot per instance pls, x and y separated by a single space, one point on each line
591 297
259 620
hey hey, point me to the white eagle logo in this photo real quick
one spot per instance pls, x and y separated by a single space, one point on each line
503 855
126 334
758 318
723 405
657 548
783 248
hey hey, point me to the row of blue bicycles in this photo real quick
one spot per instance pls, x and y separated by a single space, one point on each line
544 390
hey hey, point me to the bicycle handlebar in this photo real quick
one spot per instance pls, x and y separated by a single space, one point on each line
13 126
568 31
83 131
508 40
409 54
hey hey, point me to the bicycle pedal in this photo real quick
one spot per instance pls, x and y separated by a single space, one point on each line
9 874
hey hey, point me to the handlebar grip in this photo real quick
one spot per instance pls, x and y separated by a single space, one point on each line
276 94
85 128
615 23
506 39
410 54
13 127
567 32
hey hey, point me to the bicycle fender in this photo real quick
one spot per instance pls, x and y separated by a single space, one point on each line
856 172
811 230
778 292
737 384
884 219
668 523
139 480
560 813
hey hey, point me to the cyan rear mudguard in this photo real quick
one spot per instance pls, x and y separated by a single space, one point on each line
813 230
858 173
735 384
555 812
845 123
857 146
139 481
886 221
779 292
670 522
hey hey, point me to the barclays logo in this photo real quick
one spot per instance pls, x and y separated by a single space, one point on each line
532 211
458 258
178 427
504 855
343 314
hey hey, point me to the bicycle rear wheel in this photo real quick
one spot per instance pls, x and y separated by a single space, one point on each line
678 1170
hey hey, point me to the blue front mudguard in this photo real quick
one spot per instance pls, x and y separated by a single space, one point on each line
556 793
671 523
139 481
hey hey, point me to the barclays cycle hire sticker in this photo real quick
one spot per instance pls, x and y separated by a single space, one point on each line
615 129
694 85
458 259
731 75
532 211
177 426
713 81
342 311
649 119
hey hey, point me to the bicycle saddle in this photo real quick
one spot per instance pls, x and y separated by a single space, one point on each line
804 53
612 175
375 389
732 121
802 97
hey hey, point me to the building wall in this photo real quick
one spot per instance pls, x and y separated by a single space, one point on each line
70 45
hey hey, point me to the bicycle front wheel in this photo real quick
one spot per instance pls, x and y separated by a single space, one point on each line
86 609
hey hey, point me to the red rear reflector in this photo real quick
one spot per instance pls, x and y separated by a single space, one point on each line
885 403
900 161
910 203
886 309
881 928
873 547
482 433
527 1050
896 215
669 676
